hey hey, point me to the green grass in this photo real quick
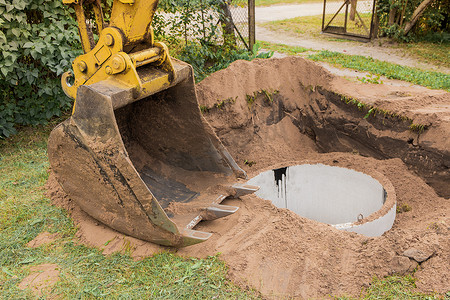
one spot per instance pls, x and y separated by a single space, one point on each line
309 25
436 53
84 272
434 80
277 2
395 288
291 50
312 25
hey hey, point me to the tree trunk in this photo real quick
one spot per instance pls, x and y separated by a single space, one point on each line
353 9
403 13
375 25
227 23
416 15
392 14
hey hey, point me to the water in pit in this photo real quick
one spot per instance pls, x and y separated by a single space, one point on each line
337 196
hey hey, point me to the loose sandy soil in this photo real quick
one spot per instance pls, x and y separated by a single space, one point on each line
298 115
41 280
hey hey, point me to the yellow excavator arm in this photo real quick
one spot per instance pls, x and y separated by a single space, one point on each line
124 45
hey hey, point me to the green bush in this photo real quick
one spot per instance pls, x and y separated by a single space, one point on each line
197 34
435 18
209 58
37 42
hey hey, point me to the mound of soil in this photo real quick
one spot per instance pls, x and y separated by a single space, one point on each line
279 112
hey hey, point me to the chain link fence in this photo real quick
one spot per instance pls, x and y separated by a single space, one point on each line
242 12
199 21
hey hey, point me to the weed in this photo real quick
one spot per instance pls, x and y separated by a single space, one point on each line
220 104
268 96
395 287
355 152
373 111
249 162
403 208
370 78
419 128
109 241
204 109
127 247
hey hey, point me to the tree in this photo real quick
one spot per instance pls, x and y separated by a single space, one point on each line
399 18
416 15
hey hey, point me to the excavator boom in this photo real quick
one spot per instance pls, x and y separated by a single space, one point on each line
136 154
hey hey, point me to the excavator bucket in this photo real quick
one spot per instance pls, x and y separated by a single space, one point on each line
151 168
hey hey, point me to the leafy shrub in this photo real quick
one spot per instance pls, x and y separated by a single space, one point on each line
37 38
207 59
435 18
197 33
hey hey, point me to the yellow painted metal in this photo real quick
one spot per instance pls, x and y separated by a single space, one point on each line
146 56
99 15
108 60
134 19
85 36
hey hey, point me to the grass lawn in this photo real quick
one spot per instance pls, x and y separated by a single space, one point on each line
434 53
434 80
291 50
311 26
276 2
84 272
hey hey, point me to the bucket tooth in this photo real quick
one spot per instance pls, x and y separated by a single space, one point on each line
243 189
192 237
217 211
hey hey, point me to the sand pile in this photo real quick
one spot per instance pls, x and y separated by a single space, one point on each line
280 112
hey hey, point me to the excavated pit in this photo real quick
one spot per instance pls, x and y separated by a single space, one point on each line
346 199
271 114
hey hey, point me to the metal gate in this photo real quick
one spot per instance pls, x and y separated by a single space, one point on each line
243 16
349 18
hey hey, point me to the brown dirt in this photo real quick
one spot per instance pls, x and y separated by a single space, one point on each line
304 120
41 280
42 239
